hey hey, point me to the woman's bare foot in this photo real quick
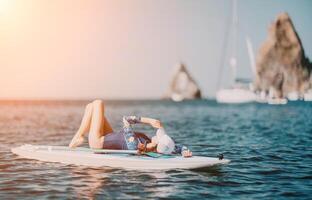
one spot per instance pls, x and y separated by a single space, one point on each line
76 141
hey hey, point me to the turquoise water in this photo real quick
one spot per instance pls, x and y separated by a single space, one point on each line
269 146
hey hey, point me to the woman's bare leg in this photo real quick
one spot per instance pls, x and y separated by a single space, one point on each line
86 123
84 127
99 125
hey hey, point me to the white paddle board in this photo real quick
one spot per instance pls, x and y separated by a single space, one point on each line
113 158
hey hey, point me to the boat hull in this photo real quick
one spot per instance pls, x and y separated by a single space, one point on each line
235 96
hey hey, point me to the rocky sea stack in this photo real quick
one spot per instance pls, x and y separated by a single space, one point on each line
282 66
182 85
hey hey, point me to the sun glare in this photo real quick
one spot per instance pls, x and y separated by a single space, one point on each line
4 6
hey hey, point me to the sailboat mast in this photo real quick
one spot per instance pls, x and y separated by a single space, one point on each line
251 56
230 38
233 58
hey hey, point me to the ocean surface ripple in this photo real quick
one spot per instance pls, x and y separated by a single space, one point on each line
269 148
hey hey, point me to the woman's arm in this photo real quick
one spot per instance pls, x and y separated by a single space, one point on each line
153 122
151 147
128 120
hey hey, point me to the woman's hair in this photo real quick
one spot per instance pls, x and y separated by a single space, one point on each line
142 135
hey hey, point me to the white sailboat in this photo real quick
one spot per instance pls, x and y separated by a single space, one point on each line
239 91
308 95
277 101
235 95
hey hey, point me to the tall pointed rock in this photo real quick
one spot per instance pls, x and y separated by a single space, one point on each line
182 85
282 66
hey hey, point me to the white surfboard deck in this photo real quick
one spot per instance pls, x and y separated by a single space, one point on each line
112 158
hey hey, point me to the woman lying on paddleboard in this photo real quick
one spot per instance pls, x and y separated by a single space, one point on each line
102 136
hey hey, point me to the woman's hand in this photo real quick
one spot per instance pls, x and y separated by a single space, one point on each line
141 148
186 153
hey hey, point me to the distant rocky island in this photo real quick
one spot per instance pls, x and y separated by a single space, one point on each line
182 85
281 64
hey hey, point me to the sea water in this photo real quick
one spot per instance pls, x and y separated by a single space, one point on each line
269 147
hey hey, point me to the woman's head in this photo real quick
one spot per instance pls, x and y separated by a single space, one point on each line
165 144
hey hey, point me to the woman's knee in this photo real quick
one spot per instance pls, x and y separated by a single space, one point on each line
88 107
98 103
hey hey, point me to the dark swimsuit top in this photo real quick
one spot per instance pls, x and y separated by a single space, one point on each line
120 140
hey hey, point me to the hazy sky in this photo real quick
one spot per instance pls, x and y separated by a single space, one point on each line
75 49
